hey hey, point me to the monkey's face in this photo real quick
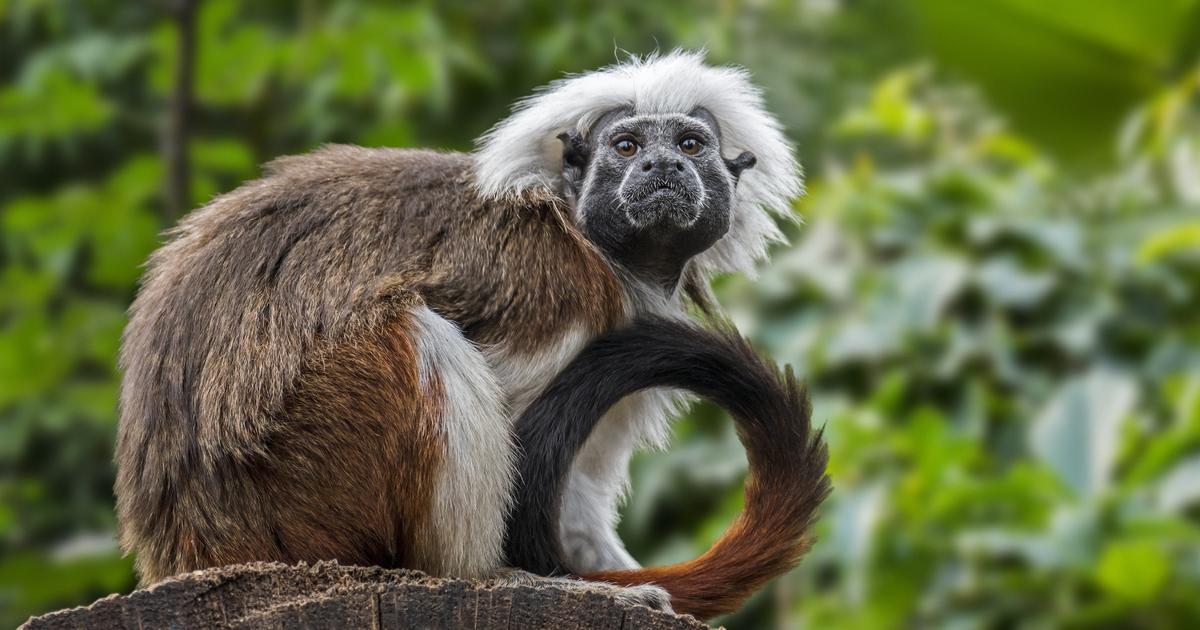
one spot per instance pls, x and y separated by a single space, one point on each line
652 190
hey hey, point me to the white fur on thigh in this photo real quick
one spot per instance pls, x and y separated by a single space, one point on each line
473 491
599 480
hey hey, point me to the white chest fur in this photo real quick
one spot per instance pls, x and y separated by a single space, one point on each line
522 376
641 419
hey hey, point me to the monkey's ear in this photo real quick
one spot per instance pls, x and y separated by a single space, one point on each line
575 159
575 149
741 163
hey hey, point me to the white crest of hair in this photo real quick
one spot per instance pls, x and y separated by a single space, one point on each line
522 152
473 491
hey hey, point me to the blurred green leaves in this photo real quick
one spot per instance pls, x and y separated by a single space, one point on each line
1076 434
1134 570
37 583
50 105
1007 374
993 293
1178 238
1067 72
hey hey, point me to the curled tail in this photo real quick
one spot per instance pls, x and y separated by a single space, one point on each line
787 458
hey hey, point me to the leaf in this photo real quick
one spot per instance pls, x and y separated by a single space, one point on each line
891 111
925 287
94 57
1180 488
52 106
1046 63
222 155
1009 285
1035 550
1176 238
1076 433
1135 570
855 517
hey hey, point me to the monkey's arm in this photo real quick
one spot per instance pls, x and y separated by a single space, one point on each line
787 459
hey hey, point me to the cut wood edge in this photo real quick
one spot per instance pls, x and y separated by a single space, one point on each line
331 595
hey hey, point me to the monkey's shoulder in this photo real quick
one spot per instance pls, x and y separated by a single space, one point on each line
365 166
378 188
349 196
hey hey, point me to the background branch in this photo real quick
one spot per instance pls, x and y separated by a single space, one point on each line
175 140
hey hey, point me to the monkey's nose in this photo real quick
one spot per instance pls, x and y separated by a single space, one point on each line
662 165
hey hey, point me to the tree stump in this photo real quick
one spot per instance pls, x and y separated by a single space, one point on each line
329 595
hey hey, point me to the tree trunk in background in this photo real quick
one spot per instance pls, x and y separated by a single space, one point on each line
175 139
329 595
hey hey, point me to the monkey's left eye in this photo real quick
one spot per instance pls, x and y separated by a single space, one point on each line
690 146
626 148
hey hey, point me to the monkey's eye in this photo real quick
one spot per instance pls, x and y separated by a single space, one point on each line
690 146
626 147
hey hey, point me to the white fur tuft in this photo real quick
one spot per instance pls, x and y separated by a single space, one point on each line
474 488
522 151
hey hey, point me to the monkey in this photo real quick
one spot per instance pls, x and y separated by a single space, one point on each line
333 361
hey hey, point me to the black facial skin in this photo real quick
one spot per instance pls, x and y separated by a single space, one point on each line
652 191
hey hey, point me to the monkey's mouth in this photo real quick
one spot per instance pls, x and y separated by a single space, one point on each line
662 187
662 199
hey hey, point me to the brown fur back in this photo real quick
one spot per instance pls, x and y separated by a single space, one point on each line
270 402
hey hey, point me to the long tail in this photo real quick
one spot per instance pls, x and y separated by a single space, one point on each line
772 412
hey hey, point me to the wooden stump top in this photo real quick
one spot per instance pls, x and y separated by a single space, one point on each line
329 595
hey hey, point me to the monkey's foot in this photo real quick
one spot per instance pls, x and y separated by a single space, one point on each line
648 595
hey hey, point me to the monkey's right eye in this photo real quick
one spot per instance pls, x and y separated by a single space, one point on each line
626 148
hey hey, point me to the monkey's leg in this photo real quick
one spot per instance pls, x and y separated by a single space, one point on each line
400 453
587 525
599 480
474 487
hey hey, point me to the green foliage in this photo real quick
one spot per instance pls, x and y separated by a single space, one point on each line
1067 71
1007 384
993 293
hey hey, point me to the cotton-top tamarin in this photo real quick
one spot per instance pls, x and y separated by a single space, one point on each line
339 360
